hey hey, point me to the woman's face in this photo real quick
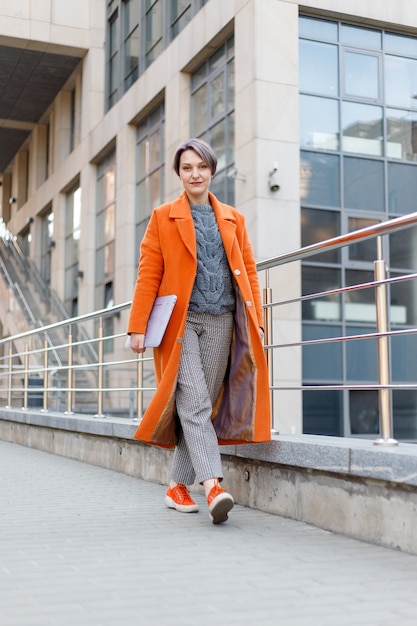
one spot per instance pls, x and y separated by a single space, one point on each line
195 176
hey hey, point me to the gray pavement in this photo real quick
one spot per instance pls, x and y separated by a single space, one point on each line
81 545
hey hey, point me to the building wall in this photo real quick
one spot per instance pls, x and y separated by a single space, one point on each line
266 133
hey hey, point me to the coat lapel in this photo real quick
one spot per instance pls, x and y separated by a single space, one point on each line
226 222
180 212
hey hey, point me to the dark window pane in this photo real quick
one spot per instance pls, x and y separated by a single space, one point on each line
403 303
316 280
404 358
362 250
401 135
317 225
361 75
364 412
322 361
322 413
320 179
364 184
403 249
319 123
324 56
360 303
405 414
362 128
402 188
361 356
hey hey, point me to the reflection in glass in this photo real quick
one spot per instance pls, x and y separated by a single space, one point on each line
361 75
322 361
317 225
361 356
401 82
359 303
363 184
364 412
401 135
319 123
362 128
357 36
404 358
217 96
320 179
199 110
317 29
405 413
317 280
402 187
362 250
403 249
403 309
400 44
315 55
322 413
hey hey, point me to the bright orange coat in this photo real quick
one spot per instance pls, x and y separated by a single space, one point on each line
168 264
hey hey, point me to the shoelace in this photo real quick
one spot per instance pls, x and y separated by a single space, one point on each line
182 493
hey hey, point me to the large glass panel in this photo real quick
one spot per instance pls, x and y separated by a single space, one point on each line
362 128
403 249
180 15
401 82
319 123
323 413
403 309
404 358
405 414
217 96
364 412
317 225
363 184
400 44
320 179
154 30
360 303
358 36
401 134
322 361
317 280
218 143
402 188
361 75
317 29
361 356
315 55
199 103
362 250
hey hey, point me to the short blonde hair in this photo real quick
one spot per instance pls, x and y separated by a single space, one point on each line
202 148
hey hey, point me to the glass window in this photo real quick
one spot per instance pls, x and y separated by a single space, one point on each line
402 188
364 412
106 228
319 123
323 413
317 29
131 41
362 250
400 44
361 75
401 134
316 280
325 56
154 30
180 15
362 128
404 358
320 179
113 50
404 413
317 225
72 249
401 82
362 37
361 356
363 184
359 304
403 249
321 361
403 298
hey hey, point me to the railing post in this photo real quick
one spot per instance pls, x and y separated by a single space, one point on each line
45 376
9 377
139 385
25 376
384 395
69 377
100 370
267 297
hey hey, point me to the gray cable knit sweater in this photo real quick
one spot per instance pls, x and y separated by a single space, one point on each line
213 288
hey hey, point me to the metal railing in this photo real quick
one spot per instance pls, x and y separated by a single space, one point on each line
121 383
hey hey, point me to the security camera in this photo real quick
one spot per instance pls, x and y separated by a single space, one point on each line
273 182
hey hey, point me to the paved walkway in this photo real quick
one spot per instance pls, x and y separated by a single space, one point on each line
81 545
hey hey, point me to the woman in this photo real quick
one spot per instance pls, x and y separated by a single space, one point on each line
212 383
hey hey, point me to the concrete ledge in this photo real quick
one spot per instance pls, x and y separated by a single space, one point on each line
348 486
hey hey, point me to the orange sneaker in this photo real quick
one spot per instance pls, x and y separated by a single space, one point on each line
179 498
219 503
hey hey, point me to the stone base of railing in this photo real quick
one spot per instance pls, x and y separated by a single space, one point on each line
347 486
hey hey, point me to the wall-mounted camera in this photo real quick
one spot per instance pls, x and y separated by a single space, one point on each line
273 178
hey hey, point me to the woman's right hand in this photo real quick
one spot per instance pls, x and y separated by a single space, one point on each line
137 343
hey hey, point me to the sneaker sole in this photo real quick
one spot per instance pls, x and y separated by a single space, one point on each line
220 507
182 508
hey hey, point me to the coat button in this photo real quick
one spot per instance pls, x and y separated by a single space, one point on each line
248 303
237 272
